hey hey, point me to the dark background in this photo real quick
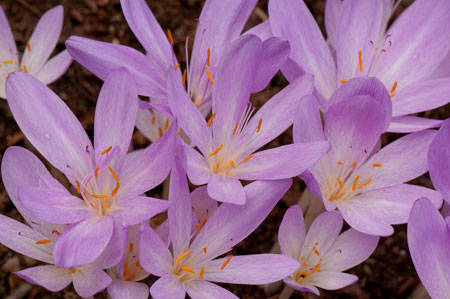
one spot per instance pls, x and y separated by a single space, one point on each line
388 273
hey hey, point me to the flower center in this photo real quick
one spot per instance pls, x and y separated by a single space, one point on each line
309 265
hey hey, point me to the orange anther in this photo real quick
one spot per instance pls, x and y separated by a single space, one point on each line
106 150
211 119
96 171
208 56
204 249
226 262
340 183
365 184
188 269
43 242
343 81
166 125
56 232
114 174
99 195
114 191
170 37
131 247
394 87
360 61
28 47
153 119
339 162
209 75
183 79
78 187
259 125
201 273
232 164
198 228
355 182
354 164
160 131
248 158
392 95
216 151
235 128
182 256
377 164
176 67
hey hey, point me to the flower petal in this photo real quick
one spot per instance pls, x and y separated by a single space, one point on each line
88 280
115 113
202 204
439 160
302 288
8 49
134 210
307 122
50 277
262 30
167 287
93 233
49 125
429 245
331 17
332 280
196 167
113 253
226 189
150 81
201 289
43 40
408 124
154 255
55 67
291 233
291 20
252 269
120 289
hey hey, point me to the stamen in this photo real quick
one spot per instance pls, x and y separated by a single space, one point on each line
355 182
131 247
114 174
204 249
28 47
392 95
315 251
183 79
176 67
166 125
153 119
114 191
394 87
208 62
43 242
211 119
365 184
209 75
203 269
106 150
259 125
169 36
235 128
56 232
96 171
343 81
248 158
354 164
160 132
339 162
360 61
377 164
183 256
226 262
216 151
99 195
198 228
340 183
78 187
232 164
188 269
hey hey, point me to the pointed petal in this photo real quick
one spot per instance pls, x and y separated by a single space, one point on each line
291 70
167 287
120 289
291 233
429 245
50 277
89 280
93 233
262 30
149 78
439 160
332 280
53 205
408 124
134 210
115 113
252 269
201 289
291 20
202 204
196 167
331 17
8 48
228 225
154 255
226 189
307 122
149 169
21 238
49 124
43 40
302 288
275 52
350 249
55 67
113 253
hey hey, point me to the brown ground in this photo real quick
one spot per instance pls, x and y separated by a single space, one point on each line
389 273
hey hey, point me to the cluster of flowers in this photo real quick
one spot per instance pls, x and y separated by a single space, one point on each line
344 93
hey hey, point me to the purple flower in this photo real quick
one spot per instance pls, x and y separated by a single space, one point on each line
228 141
35 59
402 57
323 253
193 263
429 245
439 160
37 239
110 184
365 183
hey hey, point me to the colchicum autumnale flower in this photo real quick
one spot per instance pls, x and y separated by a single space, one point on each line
403 57
193 263
37 52
322 253
229 139
365 183
110 185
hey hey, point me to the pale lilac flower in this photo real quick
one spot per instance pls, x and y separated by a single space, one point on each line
228 141
37 239
35 59
403 57
365 183
439 161
219 24
110 186
193 263
322 252
429 245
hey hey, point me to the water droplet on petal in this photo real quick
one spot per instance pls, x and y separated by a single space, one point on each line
47 135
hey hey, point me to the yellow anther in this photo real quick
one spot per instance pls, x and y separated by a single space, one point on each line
394 87
340 183
201 273
78 187
99 195
209 75
169 36
235 128
360 61
339 162
131 247
365 184
176 67
343 81
43 242
355 182
188 269
183 79
259 125
28 47
96 171
354 164
216 151
208 56
248 158
211 119
232 164
183 256
116 177
226 262
106 150
377 164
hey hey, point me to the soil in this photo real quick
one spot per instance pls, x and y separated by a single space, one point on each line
388 273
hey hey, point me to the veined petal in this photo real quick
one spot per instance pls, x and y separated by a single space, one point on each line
443 70
167 287
43 40
252 269
49 125
202 204
55 67
261 197
154 255
331 17
291 233
134 210
196 167
307 122
88 280
149 78
50 277
439 160
53 205
291 20
115 113
201 289
93 233
429 245
113 253
332 280
226 189
120 289
282 162
421 96
408 124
